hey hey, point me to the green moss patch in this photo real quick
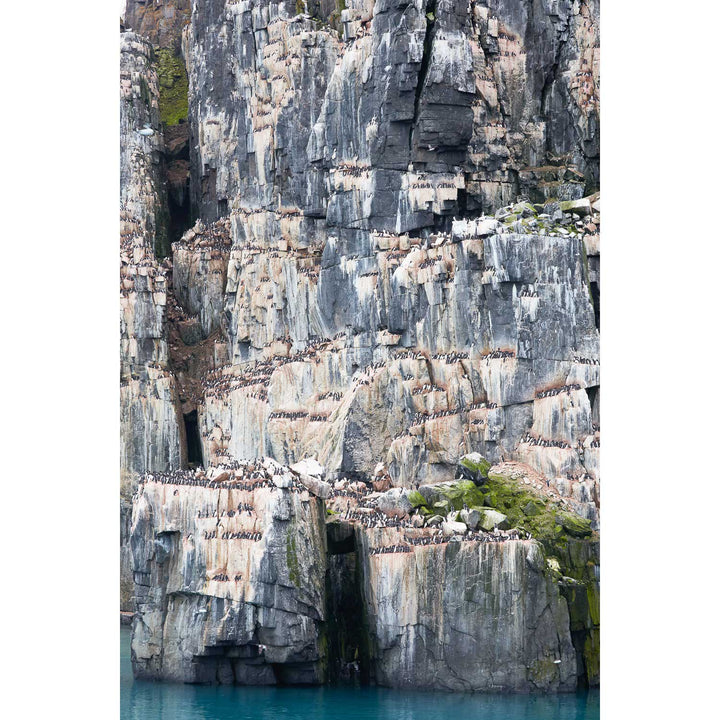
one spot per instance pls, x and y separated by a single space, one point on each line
544 519
476 464
449 496
173 81
292 559
574 524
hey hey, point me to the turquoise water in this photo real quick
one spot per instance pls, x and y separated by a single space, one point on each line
161 701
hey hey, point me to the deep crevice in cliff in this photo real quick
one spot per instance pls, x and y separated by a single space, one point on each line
595 292
348 656
424 66
192 435
176 177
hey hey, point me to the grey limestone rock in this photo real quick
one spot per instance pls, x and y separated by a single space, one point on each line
214 605
490 519
395 503
396 263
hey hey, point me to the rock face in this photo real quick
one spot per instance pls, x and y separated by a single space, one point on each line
238 579
433 627
229 578
150 428
160 21
383 220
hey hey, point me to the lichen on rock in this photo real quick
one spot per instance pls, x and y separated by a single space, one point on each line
173 83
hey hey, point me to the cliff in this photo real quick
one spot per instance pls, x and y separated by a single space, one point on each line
367 233
239 579
229 580
151 430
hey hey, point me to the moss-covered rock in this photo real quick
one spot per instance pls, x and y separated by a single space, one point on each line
546 520
574 524
173 81
448 496
591 656
474 466
542 671
491 519
416 499
430 493
292 559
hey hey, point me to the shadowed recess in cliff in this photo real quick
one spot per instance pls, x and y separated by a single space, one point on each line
194 446
348 649
595 291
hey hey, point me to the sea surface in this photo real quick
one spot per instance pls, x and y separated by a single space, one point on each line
163 701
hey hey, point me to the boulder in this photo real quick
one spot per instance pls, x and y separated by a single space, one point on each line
458 494
434 520
416 499
574 525
417 520
430 493
581 206
395 502
524 210
315 485
491 519
309 466
473 466
487 226
450 527
470 517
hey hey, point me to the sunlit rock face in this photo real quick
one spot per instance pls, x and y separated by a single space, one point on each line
394 262
372 313
484 100
159 22
151 434
412 357
463 616
229 581
245 575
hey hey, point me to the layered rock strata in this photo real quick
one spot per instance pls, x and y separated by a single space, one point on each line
151 430
395 263
229 578
240 580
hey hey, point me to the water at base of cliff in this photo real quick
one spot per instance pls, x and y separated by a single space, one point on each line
164 701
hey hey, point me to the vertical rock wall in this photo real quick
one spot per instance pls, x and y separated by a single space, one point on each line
150 428
230 581
466 617
395 263
237 582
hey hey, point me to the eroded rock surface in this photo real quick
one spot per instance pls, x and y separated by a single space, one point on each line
239 579
393 264
151 431
229 577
